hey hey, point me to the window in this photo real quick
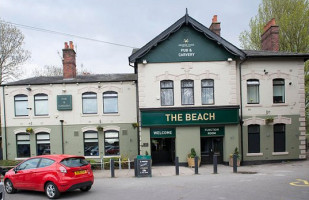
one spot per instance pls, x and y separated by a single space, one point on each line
278 91
111 143
207 91
42 144
187 92
40 104
167 93
253 139
23 145
21 104
45 162
279 138
253 91
91 145
110 102
89 103
29 164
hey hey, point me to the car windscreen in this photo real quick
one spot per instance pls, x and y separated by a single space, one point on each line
74 162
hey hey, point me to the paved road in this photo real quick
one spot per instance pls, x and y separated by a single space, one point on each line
284 181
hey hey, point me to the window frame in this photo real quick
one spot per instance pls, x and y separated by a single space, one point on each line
282 87
91 138
83 103
17 152
166 88
110 97
208 87
15 102
279 135
40 100
187 87
111 138
41 140
254 145
251 87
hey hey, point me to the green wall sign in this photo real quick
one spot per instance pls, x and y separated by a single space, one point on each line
189 117
64 102
212 131
187 45
162 133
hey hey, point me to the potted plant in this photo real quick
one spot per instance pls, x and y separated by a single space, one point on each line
236 152
99 128
269 120
135 125
191 157
29 130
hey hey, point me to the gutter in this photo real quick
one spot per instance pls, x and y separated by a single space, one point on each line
4 122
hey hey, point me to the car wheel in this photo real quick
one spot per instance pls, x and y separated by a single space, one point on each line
85 189
51 190
9 188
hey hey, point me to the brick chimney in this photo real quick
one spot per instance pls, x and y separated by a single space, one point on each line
215 25
270 37
69 61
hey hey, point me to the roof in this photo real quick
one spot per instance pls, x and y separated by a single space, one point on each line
263 54
185 20
79 79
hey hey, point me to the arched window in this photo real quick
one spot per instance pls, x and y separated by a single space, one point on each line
21 105
23 145
167 93
40 104
254 138
187 92
91 143
90 105
278 91
110 102
207 91
253 91
42 143
111 143
279 138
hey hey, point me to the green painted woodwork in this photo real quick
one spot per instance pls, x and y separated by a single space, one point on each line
64 102
162 133
189 117
187 45
212 131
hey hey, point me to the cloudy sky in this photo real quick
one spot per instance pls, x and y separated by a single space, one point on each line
128 22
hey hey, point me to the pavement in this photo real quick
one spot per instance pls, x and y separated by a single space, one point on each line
158 171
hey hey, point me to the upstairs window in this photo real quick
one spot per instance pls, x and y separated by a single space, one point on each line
167 93
278 91
253 91
279 138
41 104
110 102
90 105
207 91
21 105
253 139
187 92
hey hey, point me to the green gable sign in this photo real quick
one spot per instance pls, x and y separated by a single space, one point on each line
64 102
212 131
189 117
187 45
162 133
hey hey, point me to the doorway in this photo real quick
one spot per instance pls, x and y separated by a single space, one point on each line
211 146
163 151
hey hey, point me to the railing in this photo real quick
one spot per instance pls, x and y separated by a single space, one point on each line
119 161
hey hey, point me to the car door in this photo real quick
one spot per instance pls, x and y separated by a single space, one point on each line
44 169
24 174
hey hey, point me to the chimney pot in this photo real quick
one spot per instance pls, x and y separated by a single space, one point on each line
66 46
215 19
71 45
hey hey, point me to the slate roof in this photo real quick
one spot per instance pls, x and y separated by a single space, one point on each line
263 54
92 78
185 20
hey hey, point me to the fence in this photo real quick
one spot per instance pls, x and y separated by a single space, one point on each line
117 159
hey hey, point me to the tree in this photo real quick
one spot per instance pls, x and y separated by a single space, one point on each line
292 16
50 70
12 52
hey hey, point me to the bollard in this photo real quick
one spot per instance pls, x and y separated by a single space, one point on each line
196 164
135 167
112 168
177 165
215 161
234 163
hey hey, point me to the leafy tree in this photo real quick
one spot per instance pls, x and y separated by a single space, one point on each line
12 52
50 70
292 16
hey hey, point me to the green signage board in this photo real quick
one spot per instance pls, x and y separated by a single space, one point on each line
189 117
64 102
212 131
162 133
187 45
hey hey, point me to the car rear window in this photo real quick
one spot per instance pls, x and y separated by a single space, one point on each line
74 162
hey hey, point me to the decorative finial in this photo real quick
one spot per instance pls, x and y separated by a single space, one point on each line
186 16
186 11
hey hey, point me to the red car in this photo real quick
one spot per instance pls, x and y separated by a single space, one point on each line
51 174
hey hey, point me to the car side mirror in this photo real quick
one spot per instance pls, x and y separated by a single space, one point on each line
15 170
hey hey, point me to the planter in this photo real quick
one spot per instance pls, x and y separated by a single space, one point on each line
191 162
231 162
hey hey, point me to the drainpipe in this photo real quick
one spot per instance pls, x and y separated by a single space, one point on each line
62 146
4 122
137 111
241 119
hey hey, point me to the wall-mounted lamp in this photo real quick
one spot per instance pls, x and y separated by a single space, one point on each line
265 72
144 62
28 88
229 60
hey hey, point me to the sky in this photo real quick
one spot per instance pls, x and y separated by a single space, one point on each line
131 23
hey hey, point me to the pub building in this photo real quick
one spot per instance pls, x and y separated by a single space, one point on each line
197 90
